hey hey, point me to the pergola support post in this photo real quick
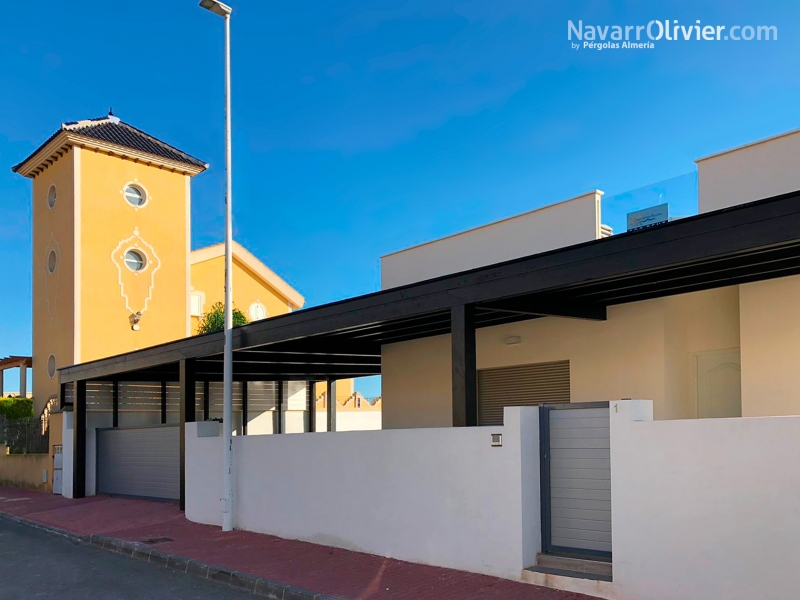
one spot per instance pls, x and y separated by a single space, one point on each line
331 397
23 381
244 407
206 400
79 441
115 403
163 402
187 411
464 366
280 425
311 403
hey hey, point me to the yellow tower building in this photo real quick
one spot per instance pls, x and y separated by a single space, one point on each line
111 245
113 269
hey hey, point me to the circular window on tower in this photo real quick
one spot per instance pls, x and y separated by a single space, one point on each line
51 196
135 260
257 311
51 366
52 261
135 195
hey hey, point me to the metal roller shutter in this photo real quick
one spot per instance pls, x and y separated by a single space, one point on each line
521 385
141 462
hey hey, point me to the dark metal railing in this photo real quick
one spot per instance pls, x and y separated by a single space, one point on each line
25 436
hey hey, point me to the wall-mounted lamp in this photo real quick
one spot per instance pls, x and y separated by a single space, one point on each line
512 340
134 319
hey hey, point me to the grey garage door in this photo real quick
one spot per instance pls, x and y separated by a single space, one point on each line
140 462
576 479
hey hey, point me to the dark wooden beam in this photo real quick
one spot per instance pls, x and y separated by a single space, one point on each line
206 400
115 403
79 441
279 405
217 377
244 407
312 407
250 358
187 412
272 372
465 374
331 404
567 309
163 402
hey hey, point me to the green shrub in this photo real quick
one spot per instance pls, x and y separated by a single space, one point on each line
214 319
16 408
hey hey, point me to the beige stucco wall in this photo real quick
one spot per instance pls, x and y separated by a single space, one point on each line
555 226
208 279
643 350
759 170
53 294
25 470
109 292
770 326
694 323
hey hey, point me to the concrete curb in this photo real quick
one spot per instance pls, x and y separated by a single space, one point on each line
244 582
74 537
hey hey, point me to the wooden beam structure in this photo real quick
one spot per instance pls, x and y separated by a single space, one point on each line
331 404
115 403
311 404
187 412
464 366
245 391
750 242
79 442
163 402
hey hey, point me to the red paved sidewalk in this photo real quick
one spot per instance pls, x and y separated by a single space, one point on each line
324 570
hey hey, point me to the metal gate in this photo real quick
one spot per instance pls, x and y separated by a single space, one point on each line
141 462
576 479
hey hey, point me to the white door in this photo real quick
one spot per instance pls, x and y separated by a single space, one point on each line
719 384
58 465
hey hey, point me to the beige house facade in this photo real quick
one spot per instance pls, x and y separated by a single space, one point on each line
703 354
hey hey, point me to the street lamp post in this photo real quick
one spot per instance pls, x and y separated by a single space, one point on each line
223 10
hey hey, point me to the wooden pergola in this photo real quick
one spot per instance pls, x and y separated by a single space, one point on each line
750 242
12 362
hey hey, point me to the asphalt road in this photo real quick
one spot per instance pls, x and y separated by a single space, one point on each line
37 564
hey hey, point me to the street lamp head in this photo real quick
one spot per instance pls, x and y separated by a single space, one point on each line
218 8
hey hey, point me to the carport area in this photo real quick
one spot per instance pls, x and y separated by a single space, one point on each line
160 389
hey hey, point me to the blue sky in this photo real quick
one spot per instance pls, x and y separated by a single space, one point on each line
361 128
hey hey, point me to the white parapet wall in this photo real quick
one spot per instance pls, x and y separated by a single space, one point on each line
704 509
761 169
443 497
555 226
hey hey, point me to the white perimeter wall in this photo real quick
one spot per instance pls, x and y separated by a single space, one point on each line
555 226
704 509
443 497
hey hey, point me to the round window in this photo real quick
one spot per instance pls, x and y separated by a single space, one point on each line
51 196
257 311
52 260
134 260
51 366
134 196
